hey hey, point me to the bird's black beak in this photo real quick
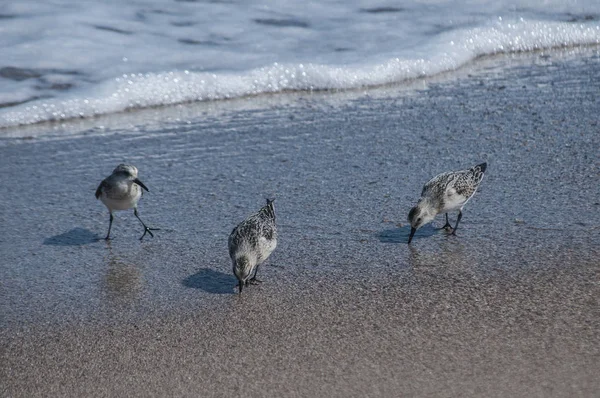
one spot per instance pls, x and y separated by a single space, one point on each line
412 233
141 184
241 286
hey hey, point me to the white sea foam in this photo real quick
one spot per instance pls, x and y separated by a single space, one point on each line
109 58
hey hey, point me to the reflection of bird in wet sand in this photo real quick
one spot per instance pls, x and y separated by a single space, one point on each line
444 193
121 191
252 242
122 281
449 253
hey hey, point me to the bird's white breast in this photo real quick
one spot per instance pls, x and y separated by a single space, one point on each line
121 197
266 247
453 200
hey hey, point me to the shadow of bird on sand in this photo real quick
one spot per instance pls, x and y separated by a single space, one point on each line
400 235
211 281
75 237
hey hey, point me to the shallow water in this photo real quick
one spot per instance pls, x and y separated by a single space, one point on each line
344 177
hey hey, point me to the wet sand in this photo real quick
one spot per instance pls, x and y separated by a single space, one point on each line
509 307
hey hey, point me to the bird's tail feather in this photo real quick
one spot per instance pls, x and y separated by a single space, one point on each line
478 172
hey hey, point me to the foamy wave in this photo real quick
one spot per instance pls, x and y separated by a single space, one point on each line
446 52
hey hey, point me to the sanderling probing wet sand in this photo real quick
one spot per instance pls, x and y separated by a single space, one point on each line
444 193
121 191
252 242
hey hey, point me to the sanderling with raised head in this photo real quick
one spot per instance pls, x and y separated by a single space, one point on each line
121 191
444 193
252 242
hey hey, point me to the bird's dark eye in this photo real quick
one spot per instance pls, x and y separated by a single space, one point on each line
419 220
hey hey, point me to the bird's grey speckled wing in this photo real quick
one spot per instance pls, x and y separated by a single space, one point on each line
249 232
435 188
100 188
266 220
468 181
245 233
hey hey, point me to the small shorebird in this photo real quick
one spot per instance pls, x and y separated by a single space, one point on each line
444 193
121 191
252 242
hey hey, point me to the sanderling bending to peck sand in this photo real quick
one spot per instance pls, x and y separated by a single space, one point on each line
252 242
444 193
121 191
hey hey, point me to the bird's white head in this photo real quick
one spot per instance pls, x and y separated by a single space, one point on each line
126 169
242 267
420 215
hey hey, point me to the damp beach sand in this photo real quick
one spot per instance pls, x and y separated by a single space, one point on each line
509 307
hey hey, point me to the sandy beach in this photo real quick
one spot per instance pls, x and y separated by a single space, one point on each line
509 307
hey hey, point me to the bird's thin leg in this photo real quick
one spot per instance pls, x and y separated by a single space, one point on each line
109 227
457 221
447 226
146 229
253 280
